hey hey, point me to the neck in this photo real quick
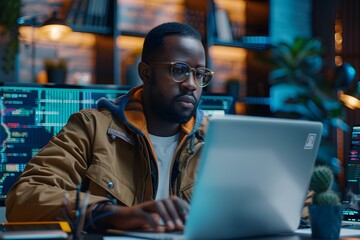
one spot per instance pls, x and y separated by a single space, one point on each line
159 127
156 124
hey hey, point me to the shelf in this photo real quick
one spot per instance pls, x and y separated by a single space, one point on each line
242 44
133 34
235 34
91 16
92 29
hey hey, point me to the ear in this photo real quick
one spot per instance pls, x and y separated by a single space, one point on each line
144 72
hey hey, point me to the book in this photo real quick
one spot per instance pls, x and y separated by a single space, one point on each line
72 14
82 12
223 26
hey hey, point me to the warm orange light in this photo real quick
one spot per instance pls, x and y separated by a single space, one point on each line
55 27
338 39
72 38
338 61
55 32
350 101
152 13
129 42
228 53
235 9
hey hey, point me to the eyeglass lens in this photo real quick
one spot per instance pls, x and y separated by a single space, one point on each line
181 71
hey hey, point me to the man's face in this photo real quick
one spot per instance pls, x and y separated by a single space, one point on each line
170 100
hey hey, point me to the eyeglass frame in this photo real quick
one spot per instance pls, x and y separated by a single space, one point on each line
191 70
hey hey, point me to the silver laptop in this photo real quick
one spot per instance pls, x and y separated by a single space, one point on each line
253 178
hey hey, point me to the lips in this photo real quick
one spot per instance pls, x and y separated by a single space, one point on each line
186 99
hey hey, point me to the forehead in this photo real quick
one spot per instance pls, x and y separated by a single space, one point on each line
186 49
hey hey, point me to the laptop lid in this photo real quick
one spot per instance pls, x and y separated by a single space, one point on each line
253 177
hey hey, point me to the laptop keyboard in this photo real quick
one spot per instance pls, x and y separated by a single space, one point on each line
351 225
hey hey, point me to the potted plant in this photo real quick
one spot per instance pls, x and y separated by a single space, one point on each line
299 89
9 31
56 70
325 211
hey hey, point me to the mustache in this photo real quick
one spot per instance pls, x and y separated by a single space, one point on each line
186 97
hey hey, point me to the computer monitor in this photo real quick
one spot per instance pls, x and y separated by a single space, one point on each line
351 195
32 113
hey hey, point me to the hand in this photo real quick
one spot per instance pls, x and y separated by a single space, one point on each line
146 216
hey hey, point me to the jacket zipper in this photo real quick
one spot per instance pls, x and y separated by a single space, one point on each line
184 165
146 171
148 160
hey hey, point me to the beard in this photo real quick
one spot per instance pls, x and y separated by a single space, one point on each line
169 111
179 116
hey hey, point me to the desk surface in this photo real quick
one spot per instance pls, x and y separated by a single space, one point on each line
294 237
287 237
290 237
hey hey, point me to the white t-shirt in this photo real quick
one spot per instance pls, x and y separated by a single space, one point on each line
164 149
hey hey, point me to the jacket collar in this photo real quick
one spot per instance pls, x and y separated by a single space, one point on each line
129 109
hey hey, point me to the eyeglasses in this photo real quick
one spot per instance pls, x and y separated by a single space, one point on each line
180 71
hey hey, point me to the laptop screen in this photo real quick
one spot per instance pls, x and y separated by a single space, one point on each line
32 113
351 195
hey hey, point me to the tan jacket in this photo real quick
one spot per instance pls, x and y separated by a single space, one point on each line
108 152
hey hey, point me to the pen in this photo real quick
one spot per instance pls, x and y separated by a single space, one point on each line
77 208
82 215
67 209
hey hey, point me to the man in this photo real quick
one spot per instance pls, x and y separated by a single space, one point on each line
136 157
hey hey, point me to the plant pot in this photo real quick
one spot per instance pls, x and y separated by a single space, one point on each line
325 221
56 75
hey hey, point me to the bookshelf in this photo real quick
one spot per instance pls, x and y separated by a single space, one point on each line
77 48
91 16
117 29
120 27
233 57
230 58
133 20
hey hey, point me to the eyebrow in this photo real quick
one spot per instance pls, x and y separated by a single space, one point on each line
196 66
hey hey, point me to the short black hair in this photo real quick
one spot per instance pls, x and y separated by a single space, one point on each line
154 41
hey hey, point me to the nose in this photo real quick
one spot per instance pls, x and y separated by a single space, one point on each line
190 82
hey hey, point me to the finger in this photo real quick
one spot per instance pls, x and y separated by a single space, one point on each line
164 214
173 213
182 208
150 226
157 207
151 219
